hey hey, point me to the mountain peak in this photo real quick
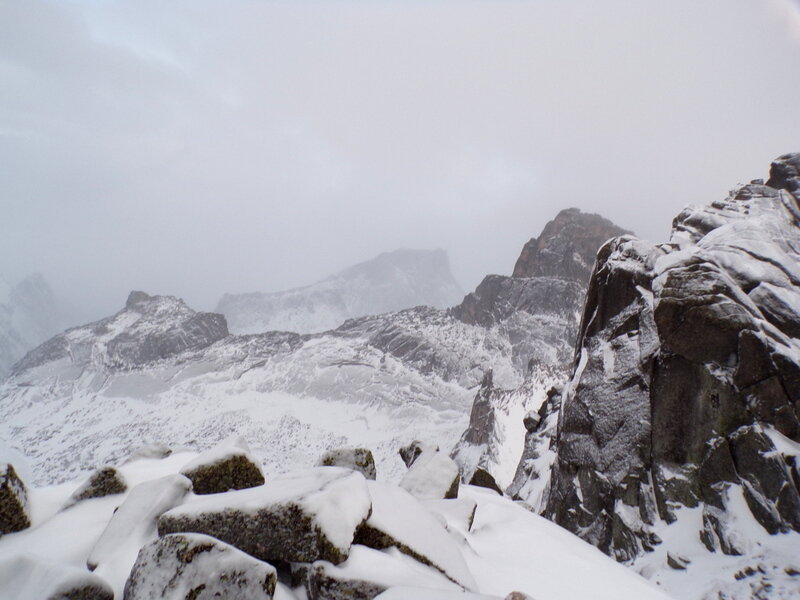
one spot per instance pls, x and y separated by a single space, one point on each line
567 246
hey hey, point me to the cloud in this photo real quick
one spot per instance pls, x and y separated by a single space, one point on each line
201 147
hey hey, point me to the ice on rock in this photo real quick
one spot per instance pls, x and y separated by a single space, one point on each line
191 565
134 522
228 466
299 517
358 459
432 475
13 501
26 577
367 572
399 519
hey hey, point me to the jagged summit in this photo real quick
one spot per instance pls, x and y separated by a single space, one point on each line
389 282
567 246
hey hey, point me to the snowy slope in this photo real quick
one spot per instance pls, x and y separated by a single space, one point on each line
389 282
507 549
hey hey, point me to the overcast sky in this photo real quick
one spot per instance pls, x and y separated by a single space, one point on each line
201 147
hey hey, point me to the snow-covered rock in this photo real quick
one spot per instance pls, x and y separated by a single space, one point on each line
398 519
431 476
191 565
134 522
358 459
687 372
103 482
390 282
13 501
25 577
301 517
227 466
367 572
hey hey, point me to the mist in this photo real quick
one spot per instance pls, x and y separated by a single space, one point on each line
195 148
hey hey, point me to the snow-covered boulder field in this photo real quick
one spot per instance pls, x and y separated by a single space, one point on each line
323 533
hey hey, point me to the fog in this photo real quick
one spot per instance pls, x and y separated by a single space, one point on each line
200 147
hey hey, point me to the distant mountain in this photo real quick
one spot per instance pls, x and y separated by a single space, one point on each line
389 282
29 314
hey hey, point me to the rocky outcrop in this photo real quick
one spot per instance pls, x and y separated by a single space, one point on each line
302 512
391 281
227 466
358 459
411 452
103 482
13 501
190 565
686 376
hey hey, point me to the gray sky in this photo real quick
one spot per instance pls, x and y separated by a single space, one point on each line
200 147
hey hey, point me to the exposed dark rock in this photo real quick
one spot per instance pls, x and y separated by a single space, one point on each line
483 478
226 467
358 459
686 356
197 567
13 501
784 173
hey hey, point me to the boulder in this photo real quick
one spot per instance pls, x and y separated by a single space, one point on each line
367 572
456 513
191 565
134 522
398 519
432 475
228 466
358 459
103 482
13 501
26 577
300 517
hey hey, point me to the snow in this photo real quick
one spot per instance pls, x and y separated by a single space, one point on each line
399 515
408 592
386 568
456 513
511 549
25 577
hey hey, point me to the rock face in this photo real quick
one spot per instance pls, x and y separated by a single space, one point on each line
545 294
13 501
311 515
181 566
103 482
228 466
358 459
391 281
685 386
